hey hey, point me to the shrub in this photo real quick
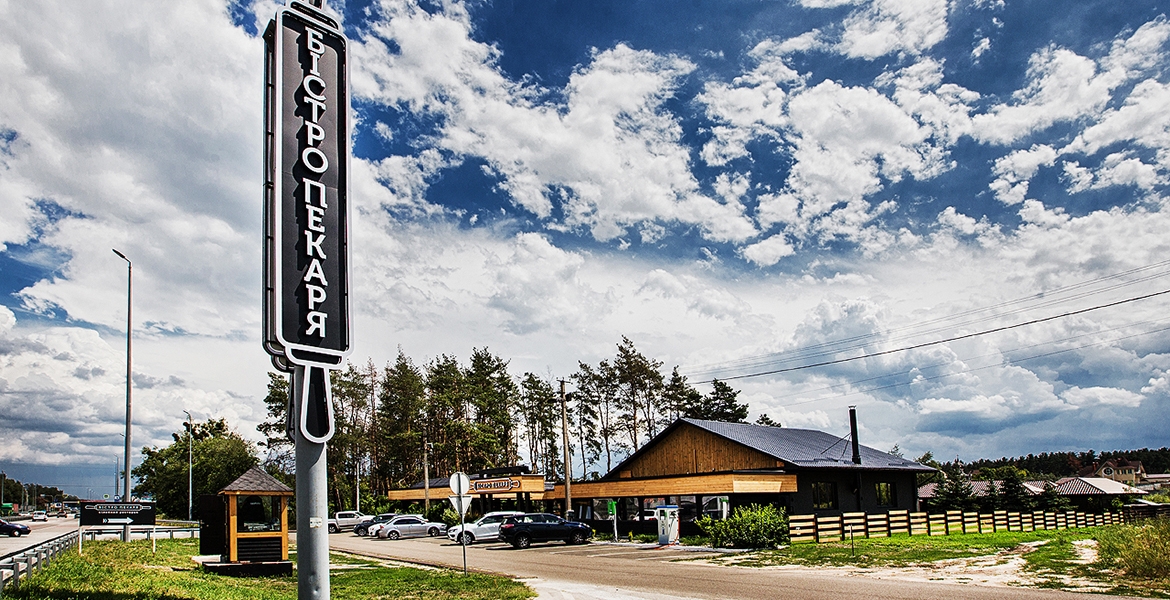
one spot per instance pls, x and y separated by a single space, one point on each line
755 526
1141 550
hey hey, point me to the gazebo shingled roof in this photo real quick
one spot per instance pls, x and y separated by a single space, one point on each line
257 481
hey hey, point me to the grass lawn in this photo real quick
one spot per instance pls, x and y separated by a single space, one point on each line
117 571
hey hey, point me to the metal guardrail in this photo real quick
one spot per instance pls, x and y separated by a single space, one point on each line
92 533
19 564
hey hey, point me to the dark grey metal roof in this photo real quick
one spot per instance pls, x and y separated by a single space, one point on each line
805 448
256 480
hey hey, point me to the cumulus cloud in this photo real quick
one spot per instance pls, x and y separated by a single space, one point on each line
609 147
1063 86
1015 171
886 26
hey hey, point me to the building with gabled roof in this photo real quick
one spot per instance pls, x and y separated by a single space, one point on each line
1118 469
693 462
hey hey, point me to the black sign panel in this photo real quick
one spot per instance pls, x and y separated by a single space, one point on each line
116 513
306 208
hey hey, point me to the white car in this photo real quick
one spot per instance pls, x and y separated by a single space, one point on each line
40 515
487 528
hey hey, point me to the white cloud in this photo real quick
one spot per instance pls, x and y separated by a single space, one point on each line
768 252
1015 171
1102 395
887 26
844 139
1064 86
610 147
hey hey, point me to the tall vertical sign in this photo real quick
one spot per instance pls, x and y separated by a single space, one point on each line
306 242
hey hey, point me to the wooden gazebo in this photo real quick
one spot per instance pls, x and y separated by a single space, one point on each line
255 526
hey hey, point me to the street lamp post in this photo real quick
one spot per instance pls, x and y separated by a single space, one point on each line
190 435
129 387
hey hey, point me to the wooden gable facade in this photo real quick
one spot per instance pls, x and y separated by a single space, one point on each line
690 450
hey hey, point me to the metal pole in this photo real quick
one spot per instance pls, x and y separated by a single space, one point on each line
129 386
190 477
426 483
568 455
312 506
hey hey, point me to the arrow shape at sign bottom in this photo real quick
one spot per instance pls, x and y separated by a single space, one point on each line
121 521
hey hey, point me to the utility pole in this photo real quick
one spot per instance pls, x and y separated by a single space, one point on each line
129 386
190 478
568 455
117 476
426 482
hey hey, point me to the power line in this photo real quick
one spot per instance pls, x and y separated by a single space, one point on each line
972 370
1046 299
942 341
996 353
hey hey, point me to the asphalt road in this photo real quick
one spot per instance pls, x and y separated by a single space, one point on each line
41 531
622 571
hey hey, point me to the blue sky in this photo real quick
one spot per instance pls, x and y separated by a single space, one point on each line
737 186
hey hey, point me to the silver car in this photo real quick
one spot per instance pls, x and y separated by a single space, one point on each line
409 526
487 528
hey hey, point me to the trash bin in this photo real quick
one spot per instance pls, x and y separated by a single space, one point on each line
667 516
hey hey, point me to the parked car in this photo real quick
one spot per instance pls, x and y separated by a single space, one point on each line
345 519
408 526
363 528
487 528
40 515
13 529
522 530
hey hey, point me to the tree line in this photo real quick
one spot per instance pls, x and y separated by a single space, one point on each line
479 415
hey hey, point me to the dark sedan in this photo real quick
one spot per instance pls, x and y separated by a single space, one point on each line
522 530
13 529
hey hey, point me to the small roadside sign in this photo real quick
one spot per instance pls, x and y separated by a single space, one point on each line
460 502
460 483
116 513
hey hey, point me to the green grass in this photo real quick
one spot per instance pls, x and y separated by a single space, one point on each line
119 571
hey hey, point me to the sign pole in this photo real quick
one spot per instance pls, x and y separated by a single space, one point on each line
312 503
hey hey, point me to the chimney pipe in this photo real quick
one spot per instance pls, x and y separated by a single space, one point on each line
853 435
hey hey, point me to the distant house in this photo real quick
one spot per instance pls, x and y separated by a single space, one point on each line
982 489
1095 493
1085 493
1117 469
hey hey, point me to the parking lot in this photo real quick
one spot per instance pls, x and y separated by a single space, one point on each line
635 572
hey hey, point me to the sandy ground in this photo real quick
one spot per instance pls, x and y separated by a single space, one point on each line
1005 569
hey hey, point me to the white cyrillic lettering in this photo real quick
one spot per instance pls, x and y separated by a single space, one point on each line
313 245
322 162
314 133
316 58
316 295
307 82
316 272
314 191
315 45
316 321
315 215
318 108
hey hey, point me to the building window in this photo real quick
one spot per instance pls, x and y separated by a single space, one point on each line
824 495
884 492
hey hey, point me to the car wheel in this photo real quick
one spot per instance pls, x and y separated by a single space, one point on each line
470 539
392 535
332 529
577 538
14 534
433 531
522 542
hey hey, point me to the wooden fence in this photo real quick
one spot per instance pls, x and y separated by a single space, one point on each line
811 528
